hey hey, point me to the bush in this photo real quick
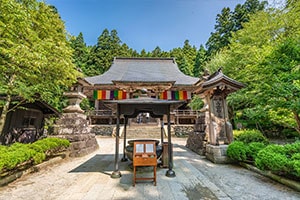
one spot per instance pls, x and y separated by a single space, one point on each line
248 136
295 163
237 151
275 161
17 153
253 149
291 149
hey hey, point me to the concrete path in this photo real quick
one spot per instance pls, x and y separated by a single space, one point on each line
88 178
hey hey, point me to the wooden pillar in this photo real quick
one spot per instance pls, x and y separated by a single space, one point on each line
116 173
170 172
161 130
124 159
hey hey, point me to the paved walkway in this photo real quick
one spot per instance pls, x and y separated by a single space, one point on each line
88 178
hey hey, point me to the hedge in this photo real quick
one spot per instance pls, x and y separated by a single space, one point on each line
279 159
11 157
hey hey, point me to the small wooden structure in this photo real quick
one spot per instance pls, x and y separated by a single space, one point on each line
130 108
144 155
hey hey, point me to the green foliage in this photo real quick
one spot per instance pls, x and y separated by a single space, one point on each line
253 149
295 163
273 158
200 60
196 103
264 55
280 159
241 151
231 21
36 57
86 105
248 136
292 149
237 150
16 154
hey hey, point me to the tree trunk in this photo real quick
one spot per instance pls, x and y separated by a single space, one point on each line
5 109
3 116
297 118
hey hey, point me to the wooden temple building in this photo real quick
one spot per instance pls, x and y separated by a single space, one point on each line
129 78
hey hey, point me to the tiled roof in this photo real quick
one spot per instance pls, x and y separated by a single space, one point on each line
143 70
218 77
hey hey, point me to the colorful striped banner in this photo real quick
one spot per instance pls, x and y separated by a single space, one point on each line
175 95
110 94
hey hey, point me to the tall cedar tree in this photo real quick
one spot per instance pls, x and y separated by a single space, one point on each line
228 22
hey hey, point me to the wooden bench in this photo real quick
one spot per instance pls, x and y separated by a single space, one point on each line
144 155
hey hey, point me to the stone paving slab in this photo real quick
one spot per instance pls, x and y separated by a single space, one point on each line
88 178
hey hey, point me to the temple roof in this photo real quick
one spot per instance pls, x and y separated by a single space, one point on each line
147 70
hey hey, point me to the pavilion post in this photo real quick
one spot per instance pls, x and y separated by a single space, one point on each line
124 159
116 173
161 130
170 172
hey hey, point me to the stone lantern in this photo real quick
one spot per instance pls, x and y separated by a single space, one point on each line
73 124
213 90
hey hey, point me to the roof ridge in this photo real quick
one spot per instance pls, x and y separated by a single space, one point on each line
143 58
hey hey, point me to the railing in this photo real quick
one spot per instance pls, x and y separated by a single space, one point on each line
187 113
100 113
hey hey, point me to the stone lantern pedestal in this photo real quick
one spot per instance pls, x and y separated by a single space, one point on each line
74 126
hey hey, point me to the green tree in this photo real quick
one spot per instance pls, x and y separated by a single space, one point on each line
231 21
35 56
109 45
265 56
201 58
81 53
185 57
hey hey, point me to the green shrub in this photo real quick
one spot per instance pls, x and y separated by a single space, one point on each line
291 149
39 157
248 136
295 163
237 151
253 149
17 153
273 158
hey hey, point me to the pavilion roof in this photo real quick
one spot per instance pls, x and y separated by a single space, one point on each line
218 79
143 70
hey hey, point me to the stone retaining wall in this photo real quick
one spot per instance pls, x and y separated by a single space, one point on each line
103 130
183 130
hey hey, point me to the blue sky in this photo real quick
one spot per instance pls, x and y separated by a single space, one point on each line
143 24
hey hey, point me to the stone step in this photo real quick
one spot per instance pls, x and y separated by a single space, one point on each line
143 131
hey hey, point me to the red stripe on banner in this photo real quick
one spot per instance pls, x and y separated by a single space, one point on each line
103 95
124 95
185 96
165 94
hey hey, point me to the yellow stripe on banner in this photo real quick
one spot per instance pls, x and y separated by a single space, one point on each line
180 95
120 92
99 94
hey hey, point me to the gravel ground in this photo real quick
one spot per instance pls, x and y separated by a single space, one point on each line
88 178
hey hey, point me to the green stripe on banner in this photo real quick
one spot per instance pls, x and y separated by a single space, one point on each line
177 95
95 94
116 94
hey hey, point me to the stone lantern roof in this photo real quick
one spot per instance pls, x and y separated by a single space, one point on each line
220 81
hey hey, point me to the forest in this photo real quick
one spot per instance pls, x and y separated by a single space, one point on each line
255 43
